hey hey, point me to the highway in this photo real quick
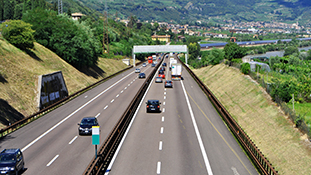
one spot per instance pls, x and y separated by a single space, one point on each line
187 137
51 144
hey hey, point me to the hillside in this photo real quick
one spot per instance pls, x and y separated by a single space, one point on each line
274 134
207 10
19 73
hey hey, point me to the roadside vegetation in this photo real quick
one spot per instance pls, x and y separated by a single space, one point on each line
271 130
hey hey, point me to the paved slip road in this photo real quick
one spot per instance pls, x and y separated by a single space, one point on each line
187 137
51 144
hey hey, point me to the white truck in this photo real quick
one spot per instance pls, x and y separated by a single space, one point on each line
172 60
154 57
176 71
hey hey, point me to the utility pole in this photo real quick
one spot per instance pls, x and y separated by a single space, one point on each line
60 7
105 30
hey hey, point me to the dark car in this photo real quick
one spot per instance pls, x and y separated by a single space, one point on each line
153 106
152 65
11 161
164 64
168 83
85 127
142 75
162 68
158 80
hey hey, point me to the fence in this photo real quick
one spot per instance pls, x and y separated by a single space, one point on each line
297 119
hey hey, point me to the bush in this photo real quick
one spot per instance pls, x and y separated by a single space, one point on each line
18 33
245 68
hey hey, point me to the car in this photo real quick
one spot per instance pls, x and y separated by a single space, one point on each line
11 161
142 75
164 64
155 62
168 83
144 64
153 106
85 127
152 65
158 80
161 74
137 70
162 68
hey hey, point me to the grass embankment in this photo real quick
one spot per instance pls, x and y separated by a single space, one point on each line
19 73
274 134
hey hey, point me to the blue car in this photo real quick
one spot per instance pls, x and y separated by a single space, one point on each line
11 161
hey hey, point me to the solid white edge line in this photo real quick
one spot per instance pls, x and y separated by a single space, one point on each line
160 145
46 132
73 140
128 128
158 167
206 161
52 160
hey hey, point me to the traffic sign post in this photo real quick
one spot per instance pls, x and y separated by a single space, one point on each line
95 138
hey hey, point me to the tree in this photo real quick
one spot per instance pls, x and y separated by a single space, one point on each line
194 50
1 10
232 50
245 68
290 50
18 33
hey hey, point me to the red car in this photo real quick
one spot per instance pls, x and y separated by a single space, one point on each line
161 74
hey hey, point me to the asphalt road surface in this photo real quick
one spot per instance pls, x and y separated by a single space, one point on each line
187 137
52 145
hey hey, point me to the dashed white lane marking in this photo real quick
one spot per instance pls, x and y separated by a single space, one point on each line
131 82
77 110
164 97
97 115
235 171
134 79
165 89
121 91
85 96
164 93
160 145
125 88
159 168
52 160
106 107
163 110
162 129
117 95
73 140
129 85
112 101
163 119
163 103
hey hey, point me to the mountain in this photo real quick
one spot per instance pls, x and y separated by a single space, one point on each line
206 10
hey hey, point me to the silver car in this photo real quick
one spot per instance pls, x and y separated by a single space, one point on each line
137 70
158 80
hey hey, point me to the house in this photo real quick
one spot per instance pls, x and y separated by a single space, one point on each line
76 16
165 38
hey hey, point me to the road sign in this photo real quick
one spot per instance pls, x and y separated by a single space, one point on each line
95 135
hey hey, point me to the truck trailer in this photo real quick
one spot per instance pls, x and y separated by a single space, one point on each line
176 71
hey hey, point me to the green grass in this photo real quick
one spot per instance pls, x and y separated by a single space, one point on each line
303 109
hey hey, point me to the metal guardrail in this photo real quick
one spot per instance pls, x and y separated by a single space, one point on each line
106 151
25 121
260 161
